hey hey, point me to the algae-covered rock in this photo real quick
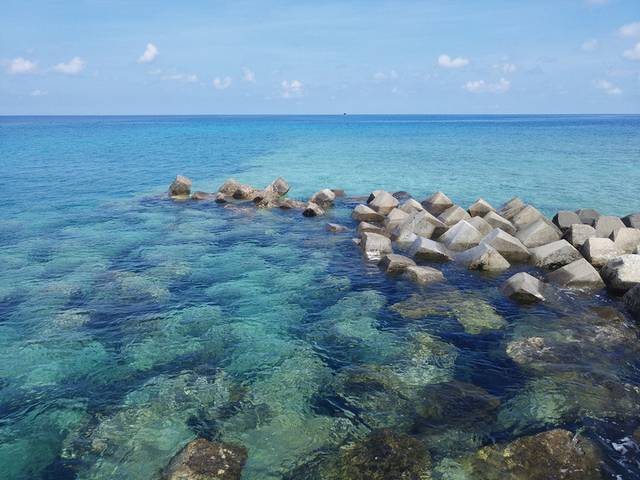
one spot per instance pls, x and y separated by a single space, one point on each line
205 460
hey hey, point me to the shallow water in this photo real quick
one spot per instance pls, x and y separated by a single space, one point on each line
130 324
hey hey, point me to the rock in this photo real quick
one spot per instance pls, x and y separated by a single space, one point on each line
205 460
421 223
632 221
266 199
524 288
220 198
555 454
375 245
565 218
527 215
313 210
507 245
368 227
531 352
202 196
622 273
538 233
480 224
336 228
429 250
394 218
383 202
626 239
401 195
605 225
229 187
632 301
180 187
411 206
363 213
496 221
483 257
453 215
588 216
512 208
393 263
278 187
244 192
289 204
554 255
461 236
578 274
480 208
338 192
599 251
324 198
423 275
406 240
437 203
577 234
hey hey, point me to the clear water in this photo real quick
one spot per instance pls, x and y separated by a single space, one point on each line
130 324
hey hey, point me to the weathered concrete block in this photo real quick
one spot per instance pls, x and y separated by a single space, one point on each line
599 251
605 225
480 208
538 233
579 274
363 213
461 236
588 216
626 239
313 210
375 246
437 203
509 246
565 218
632 220
429 250
411 206
453 215
324 198
554 255
393 263
524 288
622 273
369 227
423 275
383 202
394 218
577 234
180 187
632 301
481 225
483 257
526 216
496 221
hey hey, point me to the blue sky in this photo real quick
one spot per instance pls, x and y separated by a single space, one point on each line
365 56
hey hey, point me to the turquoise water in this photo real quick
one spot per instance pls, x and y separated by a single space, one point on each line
130 324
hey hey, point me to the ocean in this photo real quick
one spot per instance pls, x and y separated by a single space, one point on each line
131 324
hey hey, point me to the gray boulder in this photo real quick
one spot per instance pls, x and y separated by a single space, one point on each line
565 218
461 236
363 213
406 240
496 221
411 206
393 263
202 459
437 203
605 225
394 218
244 192
220 198
324 198
511 208
375 245
369 227
626 239
453 215
383 202
632 221
632 301
622 273
401 195
229 187
537 233
423 275
599 251
313 210
588 216
524 288
483 257
579 274
481 225
202 196
507 245
429 250
336 228
578 233
421 223
180 187
289 204
480 208
527 215
554 255
278 187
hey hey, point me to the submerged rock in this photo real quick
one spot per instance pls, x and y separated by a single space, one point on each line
336 228
554 255
480 208
180 187
579 274
622 273
395 264
205 460
437 203
202 196
531 352
363 213
555 454
497 221
524 288
577 234
461 236
483 257
565 218
423 275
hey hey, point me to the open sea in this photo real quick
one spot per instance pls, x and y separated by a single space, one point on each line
131 324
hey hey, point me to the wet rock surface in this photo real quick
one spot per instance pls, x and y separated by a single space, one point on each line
205 460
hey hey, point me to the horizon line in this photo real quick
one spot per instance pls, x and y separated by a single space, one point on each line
6 115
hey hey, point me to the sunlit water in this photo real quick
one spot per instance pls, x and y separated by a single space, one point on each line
131 324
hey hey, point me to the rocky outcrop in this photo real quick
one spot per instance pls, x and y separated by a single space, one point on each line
423 275
382 202
509 246
622 273
554 255
599 251
278 187
577 234
429 250
605 225
632 220
579 274
229 187
461 236
524 288
626 239
537 233
202 196
453 215
363 213
205 460
565 218
220 198
313 210
484 258
496 221
244 192
395 264
480 208
632 301
480 224
324 198
375 245
437 203
180 187
588 216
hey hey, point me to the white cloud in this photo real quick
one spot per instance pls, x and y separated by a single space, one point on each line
39 93
382 76
248 75
589 45
150 54
72 67
446 61
630 30
480 86
506 67
221 83
633 53
608 87
181 77
20 65
292 89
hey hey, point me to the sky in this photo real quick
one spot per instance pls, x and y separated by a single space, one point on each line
111 57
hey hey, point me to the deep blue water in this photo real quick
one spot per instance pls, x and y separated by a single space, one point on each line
130 324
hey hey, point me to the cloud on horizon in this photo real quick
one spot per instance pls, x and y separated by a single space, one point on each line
480 86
